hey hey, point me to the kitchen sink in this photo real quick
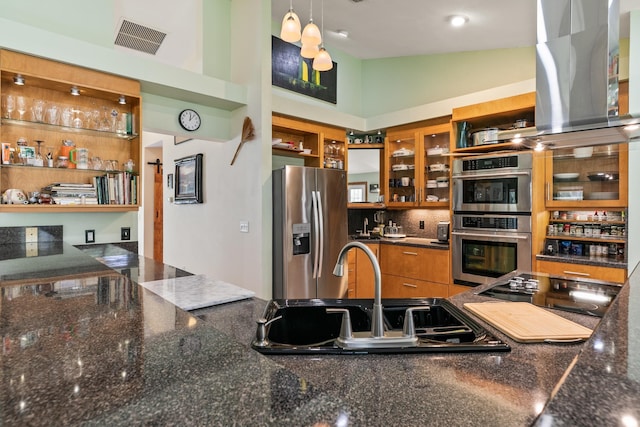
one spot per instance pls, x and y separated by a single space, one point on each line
314 326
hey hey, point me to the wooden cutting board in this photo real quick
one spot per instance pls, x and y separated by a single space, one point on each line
527 323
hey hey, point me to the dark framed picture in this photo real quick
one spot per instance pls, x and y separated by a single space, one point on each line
188 180
291 71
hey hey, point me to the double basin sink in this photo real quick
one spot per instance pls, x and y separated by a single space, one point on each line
314 327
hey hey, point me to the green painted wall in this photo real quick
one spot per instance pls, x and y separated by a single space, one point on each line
394 84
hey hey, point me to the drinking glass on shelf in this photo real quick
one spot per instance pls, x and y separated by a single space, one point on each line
9 105
67 116
77 118
37 110
53 114
21 104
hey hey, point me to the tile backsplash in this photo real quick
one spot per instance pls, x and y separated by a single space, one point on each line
409 220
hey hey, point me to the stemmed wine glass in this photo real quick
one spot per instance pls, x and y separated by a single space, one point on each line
9 106
21 103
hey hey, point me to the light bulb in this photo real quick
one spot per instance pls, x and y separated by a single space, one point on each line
309 51
311 34
322 61
290 30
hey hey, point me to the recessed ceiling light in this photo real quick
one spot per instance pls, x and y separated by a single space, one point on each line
18 79
122 100
343 33
457 20
75 91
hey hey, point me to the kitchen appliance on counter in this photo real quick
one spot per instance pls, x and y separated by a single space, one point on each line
309 230
496 183
442 231
487 246
584 296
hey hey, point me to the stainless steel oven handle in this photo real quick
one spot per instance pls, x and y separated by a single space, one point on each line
491 175
492 236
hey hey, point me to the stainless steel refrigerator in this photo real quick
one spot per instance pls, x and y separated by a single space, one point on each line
309 229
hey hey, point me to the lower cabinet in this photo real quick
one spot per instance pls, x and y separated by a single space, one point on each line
364 271
404 287
414 272
609 274
351 274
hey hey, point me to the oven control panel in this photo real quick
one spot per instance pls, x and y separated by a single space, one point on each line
490 163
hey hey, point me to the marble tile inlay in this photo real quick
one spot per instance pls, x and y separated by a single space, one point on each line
198 291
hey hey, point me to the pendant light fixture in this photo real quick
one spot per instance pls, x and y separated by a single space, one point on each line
311 37
290 30
322 61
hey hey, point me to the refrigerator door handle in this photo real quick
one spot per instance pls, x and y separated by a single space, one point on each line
321 221
316 239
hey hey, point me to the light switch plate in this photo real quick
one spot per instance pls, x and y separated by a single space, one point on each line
244 226
89 236
31 235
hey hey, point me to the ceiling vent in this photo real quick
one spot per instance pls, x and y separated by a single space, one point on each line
138 37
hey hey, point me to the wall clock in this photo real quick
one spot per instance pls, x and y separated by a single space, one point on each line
189 119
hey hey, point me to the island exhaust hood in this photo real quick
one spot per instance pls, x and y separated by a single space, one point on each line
577 59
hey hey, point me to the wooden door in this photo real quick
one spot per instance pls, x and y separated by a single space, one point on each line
158 212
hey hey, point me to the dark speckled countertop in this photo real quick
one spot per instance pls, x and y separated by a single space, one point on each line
101 350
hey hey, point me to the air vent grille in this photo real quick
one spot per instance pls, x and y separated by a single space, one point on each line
138 37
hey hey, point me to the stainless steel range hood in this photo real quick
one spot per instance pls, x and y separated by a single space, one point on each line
577 58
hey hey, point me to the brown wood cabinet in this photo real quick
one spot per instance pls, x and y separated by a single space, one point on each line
414 271
610 274
351 275
327 143
361 276
94 120
599 179
415 166
499 113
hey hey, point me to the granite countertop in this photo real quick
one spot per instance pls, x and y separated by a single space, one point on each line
406 241
103 350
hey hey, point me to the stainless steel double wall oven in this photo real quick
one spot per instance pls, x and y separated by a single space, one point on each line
491 216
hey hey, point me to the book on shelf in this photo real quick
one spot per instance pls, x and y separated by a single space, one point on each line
116 188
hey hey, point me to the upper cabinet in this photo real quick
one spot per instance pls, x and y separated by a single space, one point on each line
417 164
72 126
493 125
315 144
587 177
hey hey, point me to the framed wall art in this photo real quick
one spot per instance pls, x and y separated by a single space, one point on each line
188 180
291 71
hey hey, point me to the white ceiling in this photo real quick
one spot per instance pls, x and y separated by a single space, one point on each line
385 28
377 28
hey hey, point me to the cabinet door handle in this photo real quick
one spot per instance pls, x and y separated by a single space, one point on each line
576 273
409 285
410 253
547 192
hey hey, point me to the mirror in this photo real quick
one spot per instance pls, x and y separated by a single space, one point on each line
364 168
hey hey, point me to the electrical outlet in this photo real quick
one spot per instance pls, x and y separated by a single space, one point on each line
31 235
421 225
125 233
31 249
244 226
89 236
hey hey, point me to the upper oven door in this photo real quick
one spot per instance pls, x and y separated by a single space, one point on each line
493 191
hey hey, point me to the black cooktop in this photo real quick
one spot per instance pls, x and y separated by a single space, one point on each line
584 296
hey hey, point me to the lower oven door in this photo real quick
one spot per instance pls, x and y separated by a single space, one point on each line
479 258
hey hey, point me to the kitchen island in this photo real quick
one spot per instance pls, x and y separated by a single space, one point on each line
101 350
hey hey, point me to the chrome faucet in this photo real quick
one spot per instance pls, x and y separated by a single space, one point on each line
366 223
377 337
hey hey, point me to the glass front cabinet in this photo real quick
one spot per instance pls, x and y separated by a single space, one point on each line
594 177
417 165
